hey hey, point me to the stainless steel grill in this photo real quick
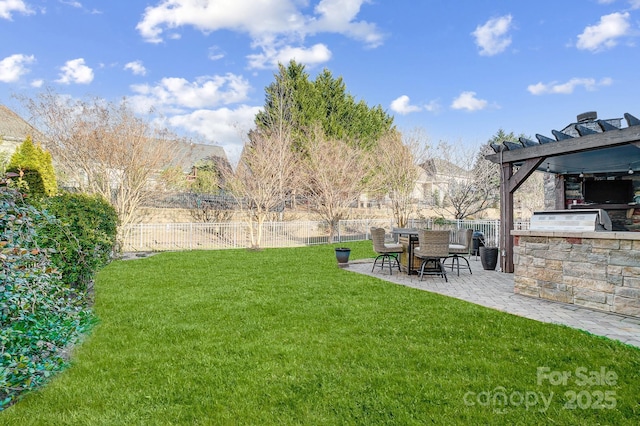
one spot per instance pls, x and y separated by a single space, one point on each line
571 220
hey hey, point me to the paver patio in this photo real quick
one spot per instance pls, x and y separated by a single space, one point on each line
494 289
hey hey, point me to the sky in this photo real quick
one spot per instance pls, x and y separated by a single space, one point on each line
456 70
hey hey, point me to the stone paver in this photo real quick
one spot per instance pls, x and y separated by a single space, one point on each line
494 290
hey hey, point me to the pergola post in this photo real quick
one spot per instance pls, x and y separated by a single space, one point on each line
509 182
506 218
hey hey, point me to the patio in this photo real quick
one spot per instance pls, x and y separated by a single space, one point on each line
495 290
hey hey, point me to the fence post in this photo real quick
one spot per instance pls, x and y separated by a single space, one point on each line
235 236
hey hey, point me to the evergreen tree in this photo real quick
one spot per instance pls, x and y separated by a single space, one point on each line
324 101
35 167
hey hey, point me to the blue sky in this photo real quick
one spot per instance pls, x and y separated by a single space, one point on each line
458 70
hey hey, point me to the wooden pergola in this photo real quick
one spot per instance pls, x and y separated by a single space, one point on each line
587 146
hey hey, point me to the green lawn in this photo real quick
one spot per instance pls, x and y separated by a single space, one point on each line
284 336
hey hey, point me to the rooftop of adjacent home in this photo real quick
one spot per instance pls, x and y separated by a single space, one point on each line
13 127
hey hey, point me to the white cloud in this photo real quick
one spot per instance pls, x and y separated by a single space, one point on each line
72 3
492 37
338 16
254 18
633 4
469 102
199 107
8 7
568 87
432 106
215 53
224 126
14 66
136 67
270 58
37 83
273 25
402 105
75 71
604 35
79 5
175 94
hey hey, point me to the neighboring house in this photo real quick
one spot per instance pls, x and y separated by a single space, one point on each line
194 153
434 178
13 131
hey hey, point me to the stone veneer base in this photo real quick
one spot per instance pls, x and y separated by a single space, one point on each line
599 270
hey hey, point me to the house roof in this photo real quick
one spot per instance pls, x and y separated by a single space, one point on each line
13 128
190 154
587 146
202 151
438 166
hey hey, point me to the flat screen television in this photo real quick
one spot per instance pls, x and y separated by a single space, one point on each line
608 191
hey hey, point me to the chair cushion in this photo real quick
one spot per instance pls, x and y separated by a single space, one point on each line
393 246
421 255
461 250
457 247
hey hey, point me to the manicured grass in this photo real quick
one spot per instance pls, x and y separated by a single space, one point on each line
283 336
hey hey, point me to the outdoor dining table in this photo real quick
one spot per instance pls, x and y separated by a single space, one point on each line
408 237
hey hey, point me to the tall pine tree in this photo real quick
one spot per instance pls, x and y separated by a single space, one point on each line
324 102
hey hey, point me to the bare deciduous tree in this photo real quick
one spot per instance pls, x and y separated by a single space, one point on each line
530 196
103 148
470 183
267 168
211 208
205 201
335 175
262 178
397 159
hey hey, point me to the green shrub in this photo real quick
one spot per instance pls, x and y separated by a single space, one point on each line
83 238
39 315
4 160
35 166
30 181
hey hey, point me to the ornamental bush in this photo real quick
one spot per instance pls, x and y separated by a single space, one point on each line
39 314
83 238
35 166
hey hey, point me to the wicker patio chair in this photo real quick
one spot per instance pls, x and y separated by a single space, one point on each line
388 251
460 248
434 246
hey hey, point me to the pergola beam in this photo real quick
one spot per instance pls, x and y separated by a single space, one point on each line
523 172
569 146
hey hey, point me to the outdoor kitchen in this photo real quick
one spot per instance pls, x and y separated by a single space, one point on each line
559 259
585 250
